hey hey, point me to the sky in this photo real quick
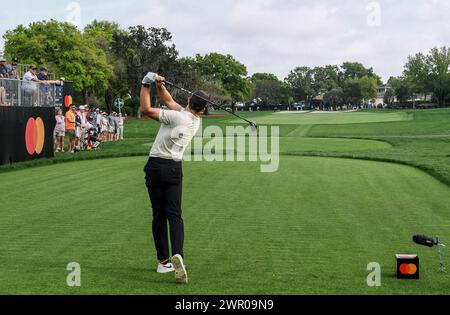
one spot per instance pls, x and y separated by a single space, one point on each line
273 36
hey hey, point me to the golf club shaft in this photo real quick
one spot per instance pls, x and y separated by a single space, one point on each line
209 101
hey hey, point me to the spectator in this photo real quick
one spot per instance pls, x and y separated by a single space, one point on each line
12 69
78 128
3 74
117 118
116 125
43 76
46 90
122 125
70 127
3 68
30 80
60 130
104 127
3 101
112 127
98 120
84 111
90 117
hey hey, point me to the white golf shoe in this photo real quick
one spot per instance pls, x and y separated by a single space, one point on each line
166 268
180 269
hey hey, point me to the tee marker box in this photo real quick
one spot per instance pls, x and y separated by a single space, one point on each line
407 266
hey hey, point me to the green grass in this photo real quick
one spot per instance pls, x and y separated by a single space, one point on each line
332 208
337 118
316 233
424 123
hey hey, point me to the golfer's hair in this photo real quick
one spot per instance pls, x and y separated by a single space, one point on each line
198 102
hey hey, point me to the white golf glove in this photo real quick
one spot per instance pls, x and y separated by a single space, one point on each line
149 78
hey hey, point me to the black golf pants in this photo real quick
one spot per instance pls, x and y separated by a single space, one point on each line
164 181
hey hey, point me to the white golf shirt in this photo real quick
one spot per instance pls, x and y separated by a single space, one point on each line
176 132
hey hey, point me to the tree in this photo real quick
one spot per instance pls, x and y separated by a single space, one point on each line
417 73
189 76
369 87
356 82
64 49
356 70
325 79
264 77
103 33
230 72
430 74
438 62
145 50
401 89
270 90
403 93
352 92
334 98
300 81
389 97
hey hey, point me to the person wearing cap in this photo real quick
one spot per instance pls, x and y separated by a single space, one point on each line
45 88
98 120
30 84
112 127
31 76
104 128
12 69
43 76
80 124
3 68
70 127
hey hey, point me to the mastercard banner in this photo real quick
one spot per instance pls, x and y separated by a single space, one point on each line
68 95
26 133
407 266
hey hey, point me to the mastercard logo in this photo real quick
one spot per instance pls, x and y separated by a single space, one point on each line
408 269
35 136
68 100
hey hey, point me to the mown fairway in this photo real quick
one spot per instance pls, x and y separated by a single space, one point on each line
312 227
336 118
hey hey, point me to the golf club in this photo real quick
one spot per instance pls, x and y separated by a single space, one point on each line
253 125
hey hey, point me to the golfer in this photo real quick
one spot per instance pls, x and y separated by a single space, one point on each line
164 170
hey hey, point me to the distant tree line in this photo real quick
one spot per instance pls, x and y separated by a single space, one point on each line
424 77
106 61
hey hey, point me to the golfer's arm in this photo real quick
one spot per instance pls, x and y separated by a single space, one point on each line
167 99
146 107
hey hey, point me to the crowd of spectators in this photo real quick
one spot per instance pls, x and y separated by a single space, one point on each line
33 83
86 128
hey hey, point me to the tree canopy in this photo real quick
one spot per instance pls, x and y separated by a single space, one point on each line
106 61
228 71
